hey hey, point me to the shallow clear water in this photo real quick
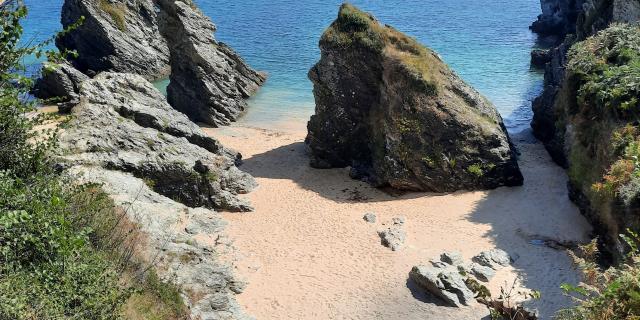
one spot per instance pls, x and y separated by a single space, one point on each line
486 42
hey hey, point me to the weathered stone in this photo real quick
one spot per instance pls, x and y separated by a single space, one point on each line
399 221
452 258
59 81
481 272
116 35
558 17
393 238
392 110
445 284
209 81
494 258
540 57
370 217
123 123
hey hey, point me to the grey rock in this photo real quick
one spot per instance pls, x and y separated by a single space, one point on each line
197 269
385 118
540 57
370 217
59 81
481 272
117 35
399 221
452 258
445 284
558 17
123 123
209 81
494 258
393 238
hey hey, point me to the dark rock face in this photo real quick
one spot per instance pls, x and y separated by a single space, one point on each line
578 139
124 124
558 17
117 35
540 57
60 81
209 81
393 111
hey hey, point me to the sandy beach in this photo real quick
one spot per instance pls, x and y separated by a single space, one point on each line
307 253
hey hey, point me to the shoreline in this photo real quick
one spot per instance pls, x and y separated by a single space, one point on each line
308 253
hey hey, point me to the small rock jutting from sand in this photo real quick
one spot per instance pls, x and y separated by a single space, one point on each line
370 217
393 237
453 280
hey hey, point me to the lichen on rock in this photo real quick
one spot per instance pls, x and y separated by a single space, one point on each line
393 110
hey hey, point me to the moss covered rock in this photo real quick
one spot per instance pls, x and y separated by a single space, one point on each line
597 113
392 110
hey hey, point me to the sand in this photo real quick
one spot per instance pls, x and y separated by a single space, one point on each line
308 253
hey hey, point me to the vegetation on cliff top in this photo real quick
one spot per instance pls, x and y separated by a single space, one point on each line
65 249
355 27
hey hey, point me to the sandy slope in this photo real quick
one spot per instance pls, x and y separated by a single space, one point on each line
309 255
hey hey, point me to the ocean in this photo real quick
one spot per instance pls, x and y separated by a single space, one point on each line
486 42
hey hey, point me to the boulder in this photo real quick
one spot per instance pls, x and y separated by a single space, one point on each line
60 83
370 217
393 237
481 272
540 57
394 112
116 35
209 81
452 258
446 284
494 258
124 124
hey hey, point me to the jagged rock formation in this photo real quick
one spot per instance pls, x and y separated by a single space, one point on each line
164 173
116 35
578 132
124 124
209 81
558 17
186 246
392 110
60 82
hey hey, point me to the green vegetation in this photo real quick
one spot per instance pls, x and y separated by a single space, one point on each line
476 170
66 251
117 12
612 294
354 26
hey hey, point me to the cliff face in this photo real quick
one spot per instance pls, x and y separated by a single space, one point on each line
558 17
155 39
167 176
209 81
392 110
582 128
119 36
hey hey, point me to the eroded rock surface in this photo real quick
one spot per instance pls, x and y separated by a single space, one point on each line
392 110
209 81
117 35
59 81
124 124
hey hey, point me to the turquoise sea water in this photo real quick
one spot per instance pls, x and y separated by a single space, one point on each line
486 42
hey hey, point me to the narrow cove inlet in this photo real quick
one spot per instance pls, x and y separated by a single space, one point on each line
206 160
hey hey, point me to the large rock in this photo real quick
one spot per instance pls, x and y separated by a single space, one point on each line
209 81
558 17
59 81
392 110
116 35
445 283
124 124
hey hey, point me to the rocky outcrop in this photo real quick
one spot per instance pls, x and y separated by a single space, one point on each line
209 81
453 280
124 124
60 83
392 110
155 39
578 133
558 17
116 35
